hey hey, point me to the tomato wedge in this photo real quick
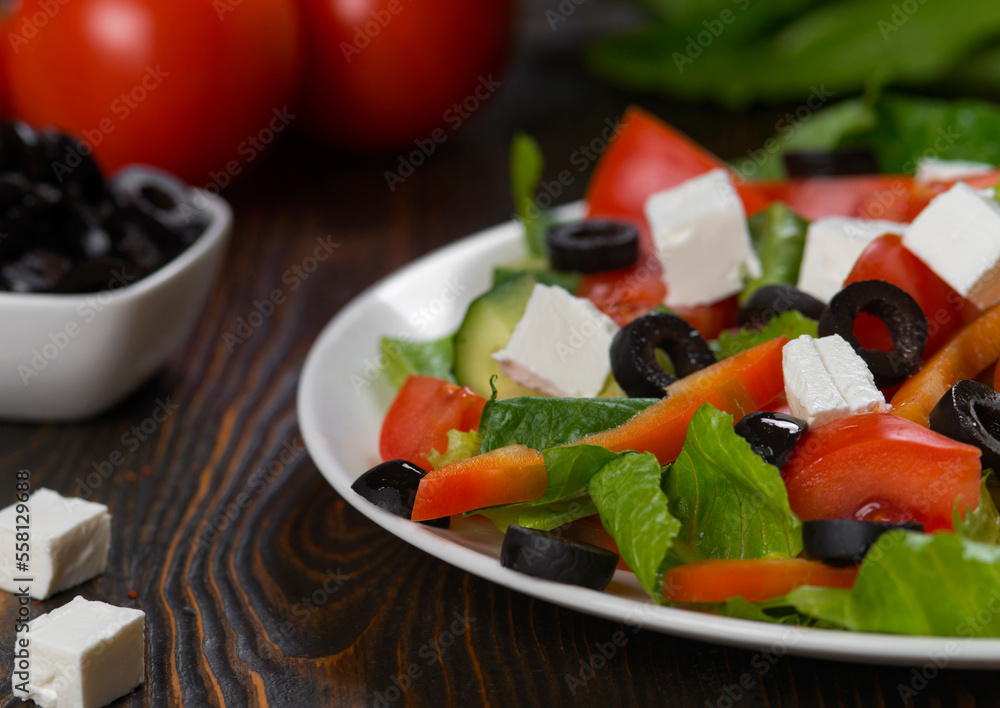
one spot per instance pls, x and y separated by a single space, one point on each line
421 415
887 259
737 385
755 580
881 467
970 351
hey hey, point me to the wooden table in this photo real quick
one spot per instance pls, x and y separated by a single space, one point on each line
260 585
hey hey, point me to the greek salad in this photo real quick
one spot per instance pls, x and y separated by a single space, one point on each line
773 400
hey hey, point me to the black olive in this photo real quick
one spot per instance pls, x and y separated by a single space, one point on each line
76 171
970 412
830 163
843 542
22 150
36 271
157 195
902 316
771 435
593 245
633 353
769 301
392 486
546 555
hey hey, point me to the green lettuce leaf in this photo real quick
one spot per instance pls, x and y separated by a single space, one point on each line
526 165
910 583
779 237
544 517
542 423
571 468
730 503
790 324
983 524
635 512
461 445
404 357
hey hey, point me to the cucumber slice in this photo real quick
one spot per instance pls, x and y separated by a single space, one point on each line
486 329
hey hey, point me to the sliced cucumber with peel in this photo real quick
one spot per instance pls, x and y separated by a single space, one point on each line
486 329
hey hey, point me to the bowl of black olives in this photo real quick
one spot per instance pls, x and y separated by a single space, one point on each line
100 279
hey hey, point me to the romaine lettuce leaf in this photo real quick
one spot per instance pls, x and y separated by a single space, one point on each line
779 237
544 517
635 512
789 324
461 445
526 165
983 524
730 503
910 583
404 357
542 423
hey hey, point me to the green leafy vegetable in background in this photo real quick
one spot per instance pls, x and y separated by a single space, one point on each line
542 423
790 324
526 165
779 237
635 512
783 50
404 357
731 504
936 585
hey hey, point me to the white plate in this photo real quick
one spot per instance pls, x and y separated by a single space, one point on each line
343 394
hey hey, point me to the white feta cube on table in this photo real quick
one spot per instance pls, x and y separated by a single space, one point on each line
932 169
833 246
958 236
561 346
68 541
82 655
702 239
825 379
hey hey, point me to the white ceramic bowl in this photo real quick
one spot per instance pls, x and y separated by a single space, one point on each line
69 357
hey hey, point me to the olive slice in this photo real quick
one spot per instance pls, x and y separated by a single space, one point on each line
902 316
771 435
843 542
546 555
159 196
593 245
633 353
392 486
830 163
769 301
970 412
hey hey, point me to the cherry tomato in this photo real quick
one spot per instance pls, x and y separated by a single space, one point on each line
197 87
755 580
881 467
887 259
381 74
424 410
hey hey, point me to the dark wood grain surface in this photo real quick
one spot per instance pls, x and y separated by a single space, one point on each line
260 585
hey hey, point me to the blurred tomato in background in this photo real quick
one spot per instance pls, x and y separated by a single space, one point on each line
180 84
381 73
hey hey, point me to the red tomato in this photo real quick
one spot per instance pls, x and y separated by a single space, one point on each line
755 580
887 259
381 74
197 87
625 294
881 467
421 415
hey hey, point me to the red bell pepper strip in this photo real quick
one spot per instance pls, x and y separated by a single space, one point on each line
755 580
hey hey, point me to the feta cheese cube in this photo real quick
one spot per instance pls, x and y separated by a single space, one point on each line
825 379
81 655
561 346
932 169
68 543
958 236
701 236
833 246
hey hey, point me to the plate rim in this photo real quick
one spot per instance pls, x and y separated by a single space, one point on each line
828 644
